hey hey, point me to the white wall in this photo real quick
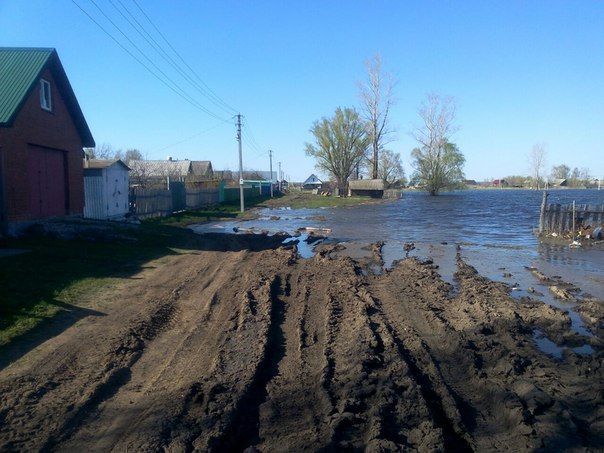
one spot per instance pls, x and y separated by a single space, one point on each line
116 190
106 195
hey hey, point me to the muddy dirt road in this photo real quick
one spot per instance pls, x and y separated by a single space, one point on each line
251 346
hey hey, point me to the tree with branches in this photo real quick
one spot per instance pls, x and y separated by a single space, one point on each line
537 162
341 144
438 163
390 167
377 98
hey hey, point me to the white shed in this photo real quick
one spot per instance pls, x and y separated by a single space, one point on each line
105 189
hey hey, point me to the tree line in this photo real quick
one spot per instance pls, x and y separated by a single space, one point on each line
539 177
353 142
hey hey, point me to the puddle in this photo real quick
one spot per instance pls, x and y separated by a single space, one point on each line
514 273
550 348
305 250
546 345
443 255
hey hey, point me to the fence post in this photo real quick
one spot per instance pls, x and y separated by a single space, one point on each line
542 214
574 210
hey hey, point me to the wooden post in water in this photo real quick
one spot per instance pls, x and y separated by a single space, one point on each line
542 214
574 219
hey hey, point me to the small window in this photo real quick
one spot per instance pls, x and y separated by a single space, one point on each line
45 97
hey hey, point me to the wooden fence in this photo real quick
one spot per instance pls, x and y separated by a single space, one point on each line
562 219
145 203
198 198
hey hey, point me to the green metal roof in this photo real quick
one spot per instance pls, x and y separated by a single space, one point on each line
20 69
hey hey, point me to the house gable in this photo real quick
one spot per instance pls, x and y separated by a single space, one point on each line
20 79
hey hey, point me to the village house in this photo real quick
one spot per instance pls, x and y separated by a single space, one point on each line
105 189
42 136
312 182
500 183
154 173
373 188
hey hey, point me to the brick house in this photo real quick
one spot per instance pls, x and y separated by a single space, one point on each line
42 136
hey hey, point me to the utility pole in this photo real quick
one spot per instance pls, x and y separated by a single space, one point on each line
280 178
270 156
242 204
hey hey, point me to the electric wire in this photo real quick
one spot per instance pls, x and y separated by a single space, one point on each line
189 137
143 33
218 99
176 89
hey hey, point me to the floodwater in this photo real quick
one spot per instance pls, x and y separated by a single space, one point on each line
494 229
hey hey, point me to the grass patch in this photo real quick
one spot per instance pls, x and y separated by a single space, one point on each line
58 275
222 211
298 200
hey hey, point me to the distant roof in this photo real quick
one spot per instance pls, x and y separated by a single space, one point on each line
312 179
201 167
20 70
180 168
103 163
366 184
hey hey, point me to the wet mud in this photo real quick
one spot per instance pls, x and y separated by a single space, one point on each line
249 344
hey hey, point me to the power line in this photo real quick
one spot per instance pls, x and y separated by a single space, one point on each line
218 99
142 31
174 88
150 61
189 138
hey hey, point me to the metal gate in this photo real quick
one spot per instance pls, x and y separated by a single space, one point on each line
179 196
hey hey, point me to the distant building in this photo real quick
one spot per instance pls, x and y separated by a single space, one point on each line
164 172
105 189
500 183
42 136
373 188
559 182
312 182
470 182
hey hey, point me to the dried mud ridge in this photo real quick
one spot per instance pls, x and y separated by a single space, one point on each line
233 349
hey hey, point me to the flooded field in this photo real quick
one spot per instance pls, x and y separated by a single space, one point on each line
493 228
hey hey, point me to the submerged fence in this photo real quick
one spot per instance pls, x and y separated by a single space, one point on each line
562 219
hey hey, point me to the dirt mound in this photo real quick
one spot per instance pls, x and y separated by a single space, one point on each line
231 348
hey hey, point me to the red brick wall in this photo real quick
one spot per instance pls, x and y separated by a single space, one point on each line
48 129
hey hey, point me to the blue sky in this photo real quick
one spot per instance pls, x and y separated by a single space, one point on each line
520 72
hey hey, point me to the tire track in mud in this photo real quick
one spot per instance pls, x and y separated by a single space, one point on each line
297 405
266 350
243 431
125 349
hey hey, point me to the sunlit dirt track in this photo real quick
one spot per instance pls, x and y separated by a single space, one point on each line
232 348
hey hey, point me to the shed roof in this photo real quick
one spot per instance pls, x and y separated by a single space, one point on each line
104 163
201 167
20 70
366 184
180 168
312 179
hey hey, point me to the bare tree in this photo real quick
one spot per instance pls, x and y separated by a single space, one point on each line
377 98
390 168
537 160
102 151
560 171
341 143
132 154
438 163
